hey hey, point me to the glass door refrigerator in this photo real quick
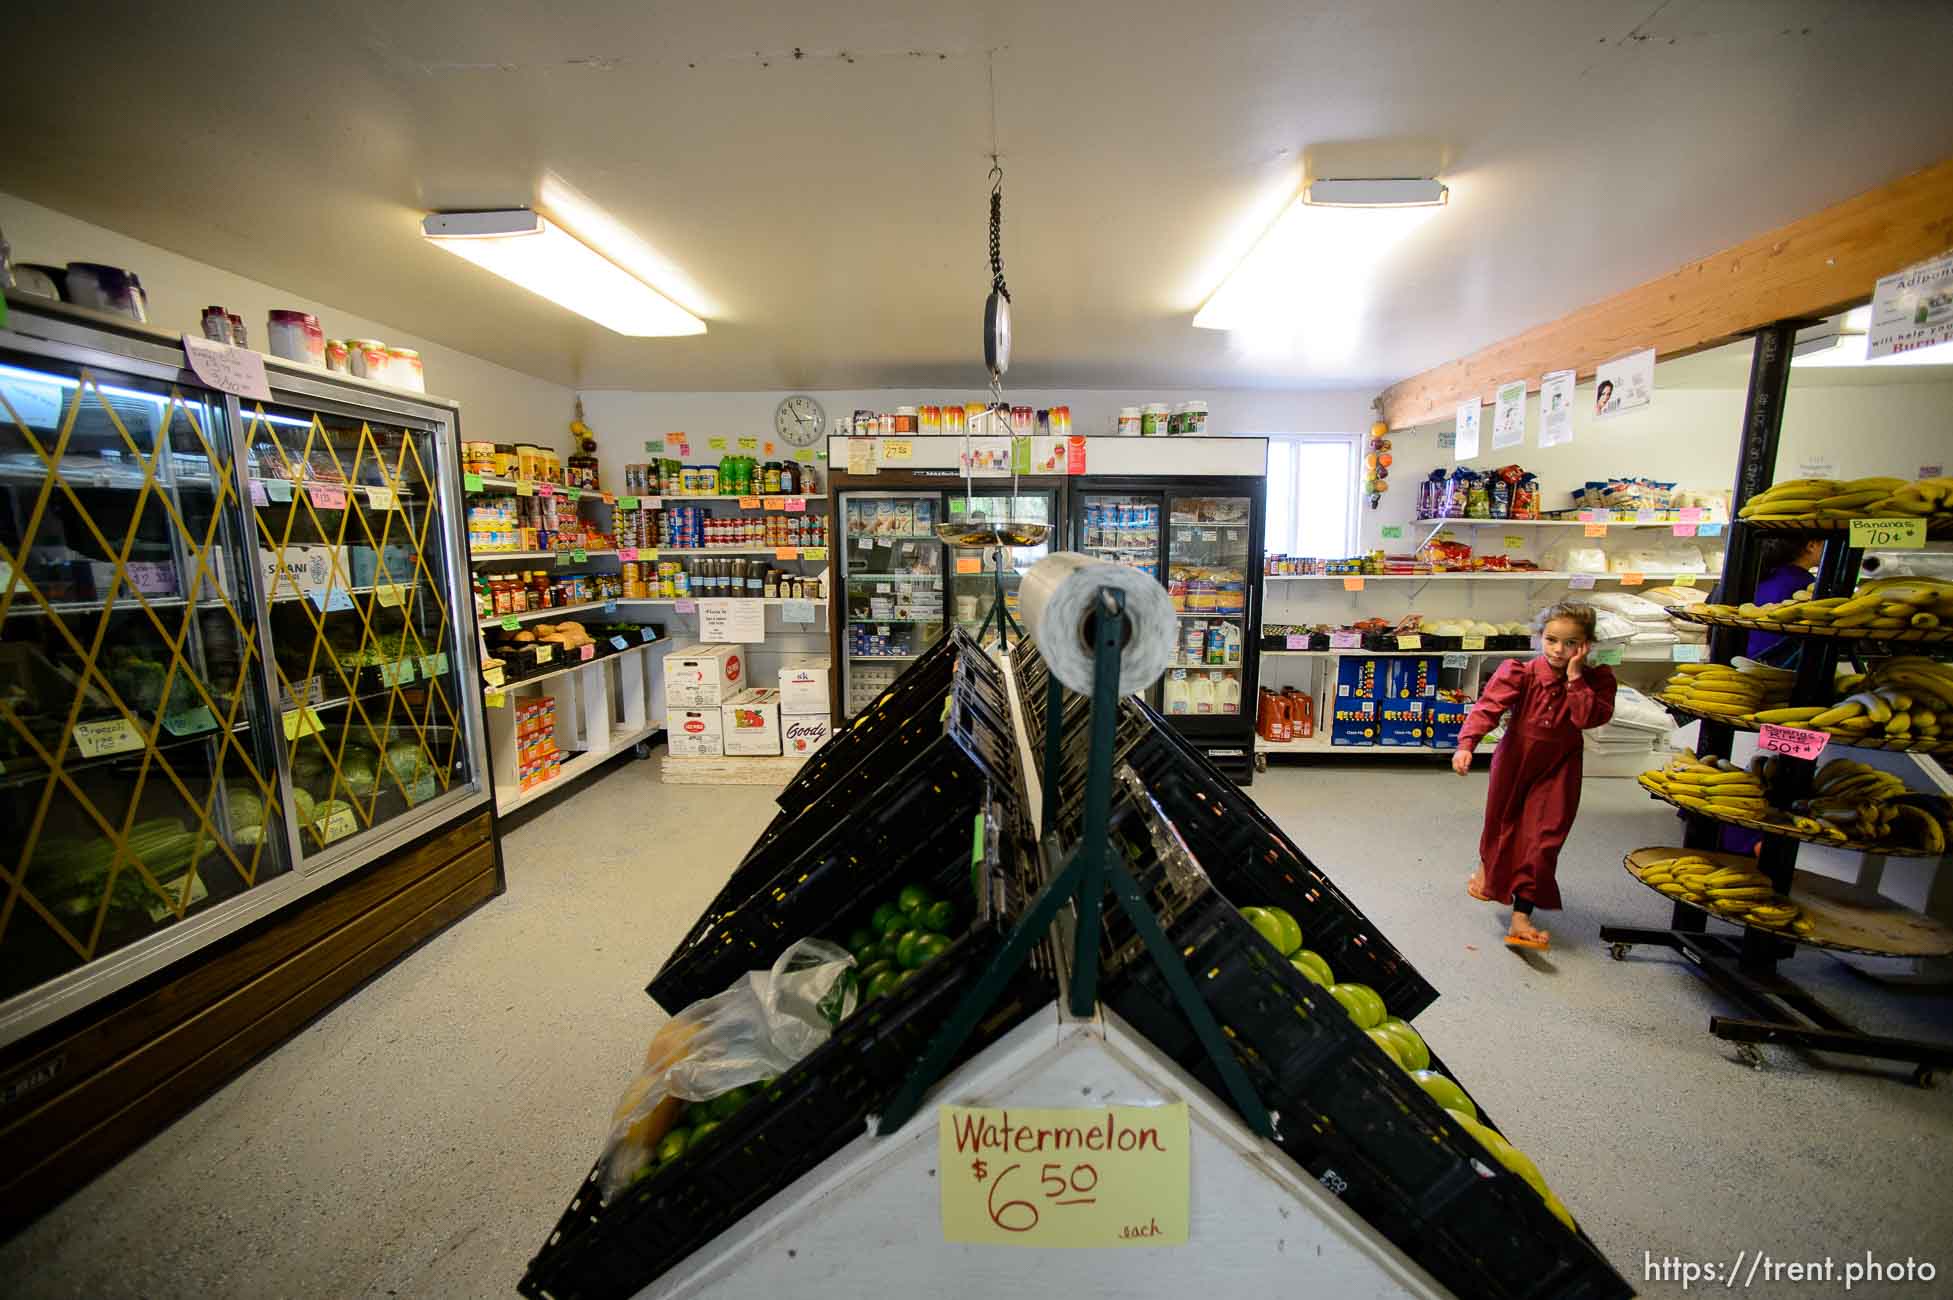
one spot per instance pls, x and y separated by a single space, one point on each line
891 597
973 569
1202 539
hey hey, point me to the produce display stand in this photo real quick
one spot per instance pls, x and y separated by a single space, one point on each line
1871 636
1159 992
1744 967
1899 744
1792 832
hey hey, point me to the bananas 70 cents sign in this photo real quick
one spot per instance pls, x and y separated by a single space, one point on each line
1087 1176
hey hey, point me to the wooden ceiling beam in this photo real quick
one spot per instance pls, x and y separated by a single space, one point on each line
1820 264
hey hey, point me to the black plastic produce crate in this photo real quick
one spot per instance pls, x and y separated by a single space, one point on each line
1347 1113
598 1251
1253 863
865 821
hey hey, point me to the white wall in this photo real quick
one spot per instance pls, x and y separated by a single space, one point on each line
624 420
497 403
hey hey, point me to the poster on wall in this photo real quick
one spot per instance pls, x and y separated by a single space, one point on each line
1556 408
1912 310
1509 415
1624 384
1467 430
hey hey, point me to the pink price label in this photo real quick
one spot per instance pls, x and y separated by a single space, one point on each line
1298 641
796 505
1684 530
327 498
545 489
1793 742
685 607
586 651
1690 514
628 554
1345 640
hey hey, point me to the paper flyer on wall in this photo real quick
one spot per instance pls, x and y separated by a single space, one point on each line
1624 384
1509 415
1556 408
1467 430
1912 310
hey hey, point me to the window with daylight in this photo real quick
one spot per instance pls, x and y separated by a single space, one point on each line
1313 494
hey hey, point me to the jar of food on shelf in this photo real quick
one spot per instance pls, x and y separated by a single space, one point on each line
1196 418
1153 421
1129 422
404 369
338 357
296 336
368 359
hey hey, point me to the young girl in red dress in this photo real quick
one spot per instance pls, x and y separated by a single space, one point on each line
1536 768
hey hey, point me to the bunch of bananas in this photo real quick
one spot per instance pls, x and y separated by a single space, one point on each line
1824 498
1883 604
1903 698
1719 788
1867 805
1728 691
1739 893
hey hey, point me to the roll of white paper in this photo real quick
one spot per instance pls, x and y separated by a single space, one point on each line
1058 597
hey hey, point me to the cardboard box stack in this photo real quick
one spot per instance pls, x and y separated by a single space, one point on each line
805 720
699 681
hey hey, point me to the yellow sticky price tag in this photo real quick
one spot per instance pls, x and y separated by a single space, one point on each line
1090 1176
1410 641
1905 534
1468 642
302 722
1685 580
969 564
111 736
1596 530
388 594
1632 579
716 444
894 449
813 552
495 699
524 488
1352 584
749 503
749 444
1513 541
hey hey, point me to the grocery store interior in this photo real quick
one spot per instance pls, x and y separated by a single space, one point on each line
625 673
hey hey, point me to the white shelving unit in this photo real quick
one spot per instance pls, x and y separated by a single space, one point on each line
604 707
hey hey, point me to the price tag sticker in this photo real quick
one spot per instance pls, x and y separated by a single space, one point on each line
627 554
786 552
1410 641
325 497
1297 641
234 370
1685 579
471 482
1595 530
1391 532
492 674
574 494
562 558
774 503
1091 1177
794 505
545 489
610 607
495 699
434 665
749 444
969 564
580 555
330 600
545 653
338 825
619 643
1908 534
1352 584
647 634
259 497
1469 642
1455 660
813 552
586 652
1345 640
716 444
797 611
1513 541
1689 514
1632 579
397 674
382 498
749 503
112 736
1644 516
627 503
1793 742
1592 517
1708 530
190 721
1581 582
510 622
650 503
1688 653
806 455
278 489
684 607
896 449
1609 657
298 722
524 488
1683 530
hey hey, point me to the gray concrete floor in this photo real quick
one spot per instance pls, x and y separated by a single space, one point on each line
421 1139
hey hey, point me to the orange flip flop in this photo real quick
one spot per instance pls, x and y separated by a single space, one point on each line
1518 941
1483 898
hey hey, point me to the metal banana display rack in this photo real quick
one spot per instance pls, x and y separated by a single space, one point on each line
1744 966
1745 722
1870 635
1835 841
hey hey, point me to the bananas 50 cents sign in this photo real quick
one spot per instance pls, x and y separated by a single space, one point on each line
1088 1176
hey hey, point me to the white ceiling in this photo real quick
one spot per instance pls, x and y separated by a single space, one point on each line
817 169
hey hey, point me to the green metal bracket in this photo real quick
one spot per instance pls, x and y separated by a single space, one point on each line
1083 880
1054 749
1001 613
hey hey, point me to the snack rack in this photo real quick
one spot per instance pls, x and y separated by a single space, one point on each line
1744 966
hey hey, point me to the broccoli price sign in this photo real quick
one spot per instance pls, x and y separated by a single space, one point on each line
1100 1176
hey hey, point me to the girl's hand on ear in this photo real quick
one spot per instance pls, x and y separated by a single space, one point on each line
1578 663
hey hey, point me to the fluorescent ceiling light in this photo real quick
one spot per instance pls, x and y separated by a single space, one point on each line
1845 342
1307 283
525 248
1394 192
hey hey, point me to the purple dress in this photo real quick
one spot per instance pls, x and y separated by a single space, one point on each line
1781 584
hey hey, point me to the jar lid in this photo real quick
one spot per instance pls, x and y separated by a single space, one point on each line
1129 410
281 317
409 353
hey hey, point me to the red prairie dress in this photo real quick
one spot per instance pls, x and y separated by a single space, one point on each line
1535 771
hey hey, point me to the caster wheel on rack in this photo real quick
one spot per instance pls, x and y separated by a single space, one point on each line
1750 1054
1925 1077
641 749
1619 951
1261 762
